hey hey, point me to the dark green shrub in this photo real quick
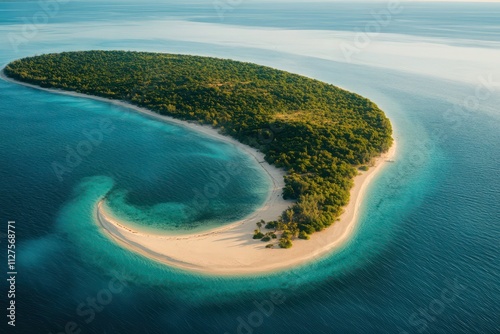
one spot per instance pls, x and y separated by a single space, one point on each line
258 235
304 235
271 225
309 229
285 243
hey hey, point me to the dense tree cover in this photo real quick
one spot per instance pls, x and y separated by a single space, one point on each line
319 133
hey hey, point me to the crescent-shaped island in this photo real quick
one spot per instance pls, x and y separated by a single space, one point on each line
319 145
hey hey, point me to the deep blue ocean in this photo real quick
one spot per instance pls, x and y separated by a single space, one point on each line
425 257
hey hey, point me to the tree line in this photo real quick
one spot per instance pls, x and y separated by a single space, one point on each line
317 132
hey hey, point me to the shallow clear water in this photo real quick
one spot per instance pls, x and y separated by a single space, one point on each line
429 225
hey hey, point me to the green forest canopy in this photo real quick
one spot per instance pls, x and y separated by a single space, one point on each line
318 132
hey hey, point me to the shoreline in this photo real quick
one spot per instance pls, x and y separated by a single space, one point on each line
230 249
